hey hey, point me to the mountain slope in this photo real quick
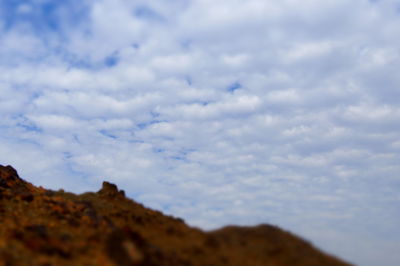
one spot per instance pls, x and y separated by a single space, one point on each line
45 227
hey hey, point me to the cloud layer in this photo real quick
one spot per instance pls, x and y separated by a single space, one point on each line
220 112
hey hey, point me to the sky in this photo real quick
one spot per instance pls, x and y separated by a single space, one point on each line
220 112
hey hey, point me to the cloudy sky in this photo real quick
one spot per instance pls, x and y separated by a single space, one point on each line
221 112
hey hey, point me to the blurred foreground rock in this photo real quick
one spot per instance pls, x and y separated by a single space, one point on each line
44 227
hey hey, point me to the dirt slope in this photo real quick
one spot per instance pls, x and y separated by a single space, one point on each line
44 227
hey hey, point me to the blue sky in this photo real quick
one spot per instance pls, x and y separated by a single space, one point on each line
220 112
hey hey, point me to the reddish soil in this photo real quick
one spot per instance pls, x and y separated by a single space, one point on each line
45 227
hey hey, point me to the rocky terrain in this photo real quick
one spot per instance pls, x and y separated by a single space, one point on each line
45 227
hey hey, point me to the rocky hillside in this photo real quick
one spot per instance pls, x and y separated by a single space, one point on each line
45 227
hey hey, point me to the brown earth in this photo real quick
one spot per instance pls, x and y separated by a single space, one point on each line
45 227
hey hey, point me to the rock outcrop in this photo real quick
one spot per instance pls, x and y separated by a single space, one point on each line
45 227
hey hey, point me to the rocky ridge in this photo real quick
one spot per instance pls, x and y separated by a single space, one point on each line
45 227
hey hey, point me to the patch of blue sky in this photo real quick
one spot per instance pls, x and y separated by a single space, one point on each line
187 151
76 138
111 60
234 87
198 102
158 150
179 158
182 155
108 134
147 13
148 123
154 114
186 44
41 16
67 155
26 124
189 80
29 127
81 62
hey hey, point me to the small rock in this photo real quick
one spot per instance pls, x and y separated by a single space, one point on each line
111 190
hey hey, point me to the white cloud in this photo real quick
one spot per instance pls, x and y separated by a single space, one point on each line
222 112
58 122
